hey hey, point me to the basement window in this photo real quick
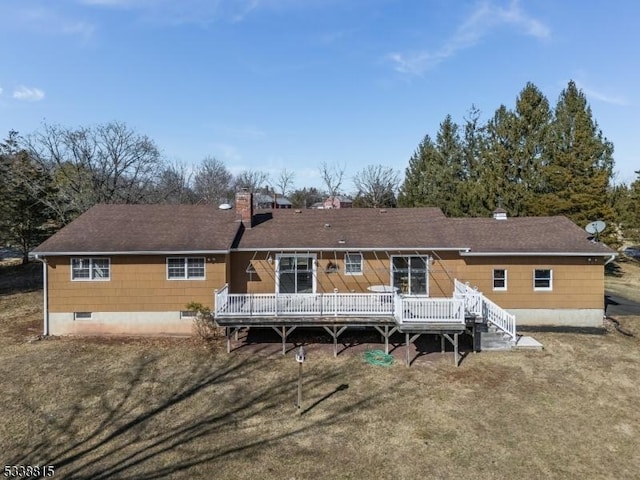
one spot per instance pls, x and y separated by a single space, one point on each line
185 268
82 315
188 314
499 279
90 269
543 279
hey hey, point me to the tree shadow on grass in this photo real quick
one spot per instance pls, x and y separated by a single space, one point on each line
149 426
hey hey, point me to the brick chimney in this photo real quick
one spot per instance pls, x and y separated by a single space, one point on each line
244 207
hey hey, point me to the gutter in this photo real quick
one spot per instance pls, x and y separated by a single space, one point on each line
45 280
129 252
348 249
535 254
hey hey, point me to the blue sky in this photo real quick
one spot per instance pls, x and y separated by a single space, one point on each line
273 84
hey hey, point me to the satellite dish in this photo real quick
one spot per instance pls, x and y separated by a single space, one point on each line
225 206
595 228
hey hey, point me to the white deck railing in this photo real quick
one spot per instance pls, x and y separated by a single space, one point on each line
406 309
475 302
430 310
470 296
302 304
499 317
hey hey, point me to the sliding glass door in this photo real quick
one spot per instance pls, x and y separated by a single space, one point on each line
410 274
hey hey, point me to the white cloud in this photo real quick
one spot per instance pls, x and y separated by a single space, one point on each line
45 20
603 96
30 94
486 18
0 90
177 12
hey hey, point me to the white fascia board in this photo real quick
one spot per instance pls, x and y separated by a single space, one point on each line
145 252
534 254
348 249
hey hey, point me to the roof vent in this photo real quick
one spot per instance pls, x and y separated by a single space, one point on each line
383 210
327 225
224 206
297 210
500 214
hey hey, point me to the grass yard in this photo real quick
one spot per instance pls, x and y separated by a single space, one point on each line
177 408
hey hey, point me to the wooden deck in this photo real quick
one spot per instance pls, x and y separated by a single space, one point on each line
387 312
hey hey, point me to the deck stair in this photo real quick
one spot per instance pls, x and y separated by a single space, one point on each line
495 339
475 303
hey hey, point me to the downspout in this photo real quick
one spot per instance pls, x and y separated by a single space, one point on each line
611 259
45 281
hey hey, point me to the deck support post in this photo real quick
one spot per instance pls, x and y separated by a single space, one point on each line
335 332
386 333
228 332
284 333
409 341
454 342
442 348
407 348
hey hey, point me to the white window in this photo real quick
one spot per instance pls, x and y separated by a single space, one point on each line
499 279
185 268
87 269
353 264
188 314
82 315
543 279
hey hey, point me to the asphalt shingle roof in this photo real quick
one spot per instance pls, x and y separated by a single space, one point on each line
146 228
191 228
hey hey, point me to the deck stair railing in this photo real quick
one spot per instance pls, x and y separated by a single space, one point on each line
477 304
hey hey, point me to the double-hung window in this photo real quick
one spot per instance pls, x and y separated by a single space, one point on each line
90 269
185 268
543 279
499 279
353 264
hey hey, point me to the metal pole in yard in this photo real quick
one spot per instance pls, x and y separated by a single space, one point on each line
300 358
300 385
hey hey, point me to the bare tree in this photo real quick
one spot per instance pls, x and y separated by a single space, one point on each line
376 186
108 163
212 182
174 185
252 180
332 176
285 181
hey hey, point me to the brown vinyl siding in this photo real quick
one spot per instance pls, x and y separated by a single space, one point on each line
577 281
138 284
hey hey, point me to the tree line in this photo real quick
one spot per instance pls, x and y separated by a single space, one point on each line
53 175
529 160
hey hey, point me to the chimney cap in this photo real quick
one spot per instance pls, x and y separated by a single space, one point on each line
500 214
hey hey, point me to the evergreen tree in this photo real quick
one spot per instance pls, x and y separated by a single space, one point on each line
25 221
499 174
471 188
435 172
580 165
532 124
